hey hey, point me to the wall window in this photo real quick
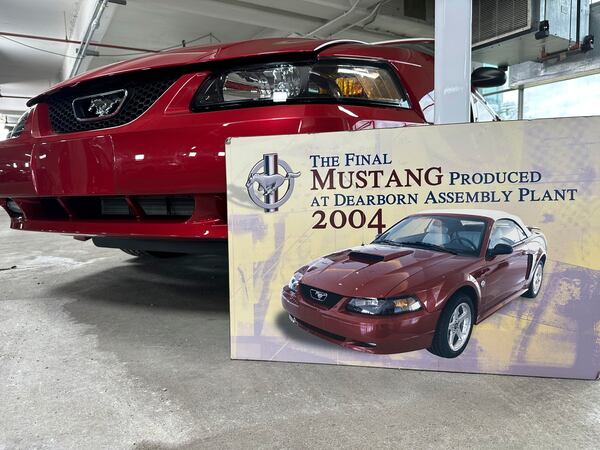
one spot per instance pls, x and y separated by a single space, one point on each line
506 104
574 97
566 98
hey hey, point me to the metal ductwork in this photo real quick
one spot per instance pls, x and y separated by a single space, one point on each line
507 32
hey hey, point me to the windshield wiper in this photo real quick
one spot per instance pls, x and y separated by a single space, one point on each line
388 242
427 245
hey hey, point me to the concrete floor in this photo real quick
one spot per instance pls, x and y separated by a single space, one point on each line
102 350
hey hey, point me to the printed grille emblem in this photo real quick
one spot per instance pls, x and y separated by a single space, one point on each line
319 296
99 106
265 181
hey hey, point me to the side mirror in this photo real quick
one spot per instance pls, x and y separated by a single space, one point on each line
484 77
500 249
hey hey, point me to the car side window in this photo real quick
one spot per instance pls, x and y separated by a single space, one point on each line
506 231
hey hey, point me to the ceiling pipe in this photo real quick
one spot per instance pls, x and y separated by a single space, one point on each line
267 18
14 96
333 21
364 21
382 25
87 37
89 32
73 41
328 4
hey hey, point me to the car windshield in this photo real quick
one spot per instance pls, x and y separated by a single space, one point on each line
451 234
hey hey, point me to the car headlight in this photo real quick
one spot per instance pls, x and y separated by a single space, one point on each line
383 306
19 126
295 281
282 82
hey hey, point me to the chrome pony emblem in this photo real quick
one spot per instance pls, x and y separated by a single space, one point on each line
102 106
319 296
265 181
99 106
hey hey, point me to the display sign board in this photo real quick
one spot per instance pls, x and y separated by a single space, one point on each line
469 248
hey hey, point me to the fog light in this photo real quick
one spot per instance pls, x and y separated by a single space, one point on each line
13 207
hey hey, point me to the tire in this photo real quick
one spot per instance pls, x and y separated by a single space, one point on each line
150 254
459 304
536 281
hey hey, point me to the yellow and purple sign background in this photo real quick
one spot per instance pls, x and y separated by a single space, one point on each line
555 334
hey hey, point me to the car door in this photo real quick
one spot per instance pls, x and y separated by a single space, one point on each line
505 274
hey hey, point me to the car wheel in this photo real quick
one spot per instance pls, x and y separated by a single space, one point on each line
454 327
146 254
536 281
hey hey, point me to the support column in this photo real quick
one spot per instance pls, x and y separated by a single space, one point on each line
452 61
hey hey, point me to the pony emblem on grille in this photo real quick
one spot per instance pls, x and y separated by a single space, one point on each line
99 106
102 106
319 296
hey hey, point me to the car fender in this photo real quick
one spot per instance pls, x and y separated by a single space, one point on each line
469 284
436 295
537 257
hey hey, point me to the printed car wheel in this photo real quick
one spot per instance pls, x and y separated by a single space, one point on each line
454 327
146 254
536 281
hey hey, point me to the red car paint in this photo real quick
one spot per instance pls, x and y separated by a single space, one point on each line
432 276
171 150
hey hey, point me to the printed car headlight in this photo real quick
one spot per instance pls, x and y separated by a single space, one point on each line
295 281
282 82
383 306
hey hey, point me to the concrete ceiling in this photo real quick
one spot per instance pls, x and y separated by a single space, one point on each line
157 24
25 71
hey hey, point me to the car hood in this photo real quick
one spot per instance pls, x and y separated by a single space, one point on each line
372 270
195 55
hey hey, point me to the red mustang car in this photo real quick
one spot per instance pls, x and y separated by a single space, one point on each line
132 154
421 284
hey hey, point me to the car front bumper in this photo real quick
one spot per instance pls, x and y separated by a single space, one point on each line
58 180
382 335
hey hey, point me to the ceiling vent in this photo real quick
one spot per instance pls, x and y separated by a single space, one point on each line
494 19
507 32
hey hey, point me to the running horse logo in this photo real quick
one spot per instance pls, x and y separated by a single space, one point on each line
102 106
269 183
265 181
319 296
99 106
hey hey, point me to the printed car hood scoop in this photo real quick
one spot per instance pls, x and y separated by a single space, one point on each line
371 270
368 257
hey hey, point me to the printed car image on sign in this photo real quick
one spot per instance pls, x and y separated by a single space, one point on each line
469 248
419 284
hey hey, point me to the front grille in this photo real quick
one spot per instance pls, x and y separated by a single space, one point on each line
176 208
141 94
167 206
114 206
320 331
331 299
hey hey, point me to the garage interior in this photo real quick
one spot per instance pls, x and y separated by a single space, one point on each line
99 349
